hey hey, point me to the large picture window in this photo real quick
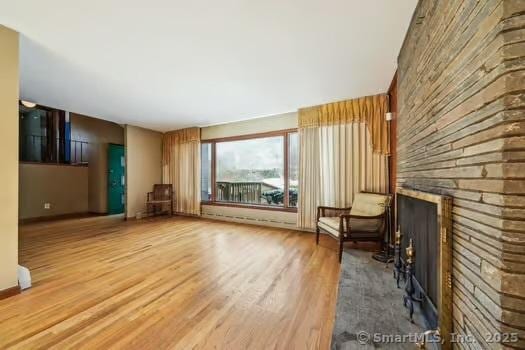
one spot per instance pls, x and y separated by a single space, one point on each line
257 170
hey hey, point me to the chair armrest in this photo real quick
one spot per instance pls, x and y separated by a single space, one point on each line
333 208
350 216
321 210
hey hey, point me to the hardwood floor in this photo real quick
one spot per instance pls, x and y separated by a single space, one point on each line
171 283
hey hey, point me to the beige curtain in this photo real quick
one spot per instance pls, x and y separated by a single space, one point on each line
181 167
309 177
336 161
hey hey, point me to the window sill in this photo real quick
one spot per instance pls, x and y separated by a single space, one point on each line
250 206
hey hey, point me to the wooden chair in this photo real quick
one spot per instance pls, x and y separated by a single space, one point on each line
366 220
162 194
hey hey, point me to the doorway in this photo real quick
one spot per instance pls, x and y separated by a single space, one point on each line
116 179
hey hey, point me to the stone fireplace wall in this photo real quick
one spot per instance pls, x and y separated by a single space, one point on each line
461 132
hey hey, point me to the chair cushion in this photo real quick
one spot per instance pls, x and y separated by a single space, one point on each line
330 225
364 225
369 204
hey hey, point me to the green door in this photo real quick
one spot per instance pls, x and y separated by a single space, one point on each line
116 179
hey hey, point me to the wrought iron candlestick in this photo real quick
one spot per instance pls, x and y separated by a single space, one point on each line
385 256
398 265
409 299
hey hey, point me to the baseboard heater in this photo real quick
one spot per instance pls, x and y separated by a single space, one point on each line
252 220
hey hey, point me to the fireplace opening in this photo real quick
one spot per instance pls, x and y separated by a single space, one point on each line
417 220
423 248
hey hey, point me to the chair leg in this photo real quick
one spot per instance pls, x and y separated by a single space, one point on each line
340 250
317 235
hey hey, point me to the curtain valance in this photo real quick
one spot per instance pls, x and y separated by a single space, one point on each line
184 135
370 110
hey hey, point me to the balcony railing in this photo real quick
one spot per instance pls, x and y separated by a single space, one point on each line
253 193
42 149
242 192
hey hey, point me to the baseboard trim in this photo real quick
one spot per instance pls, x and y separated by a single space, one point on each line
9 292
58 217
165 215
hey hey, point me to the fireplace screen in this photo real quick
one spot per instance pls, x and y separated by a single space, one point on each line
425 219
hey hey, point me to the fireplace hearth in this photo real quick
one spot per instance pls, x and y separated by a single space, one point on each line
423 257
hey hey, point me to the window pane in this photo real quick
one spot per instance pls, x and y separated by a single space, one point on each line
206 171
251 171
293 168
33 131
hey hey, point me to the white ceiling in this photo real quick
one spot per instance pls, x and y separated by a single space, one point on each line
167 64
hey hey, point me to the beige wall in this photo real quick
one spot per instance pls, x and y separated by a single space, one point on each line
64 187
71 189
143 166
253 126
251 216
9 157
99 133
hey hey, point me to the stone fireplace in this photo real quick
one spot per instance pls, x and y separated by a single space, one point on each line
461 133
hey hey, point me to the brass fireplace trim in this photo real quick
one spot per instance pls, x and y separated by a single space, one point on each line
444 218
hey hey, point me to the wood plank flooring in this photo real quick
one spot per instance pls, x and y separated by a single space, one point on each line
171 283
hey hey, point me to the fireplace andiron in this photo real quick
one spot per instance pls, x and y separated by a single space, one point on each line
399 269
409 298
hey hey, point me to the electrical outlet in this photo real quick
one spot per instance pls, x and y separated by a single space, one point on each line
47 205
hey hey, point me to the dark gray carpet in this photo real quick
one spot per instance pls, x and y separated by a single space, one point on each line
368 301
